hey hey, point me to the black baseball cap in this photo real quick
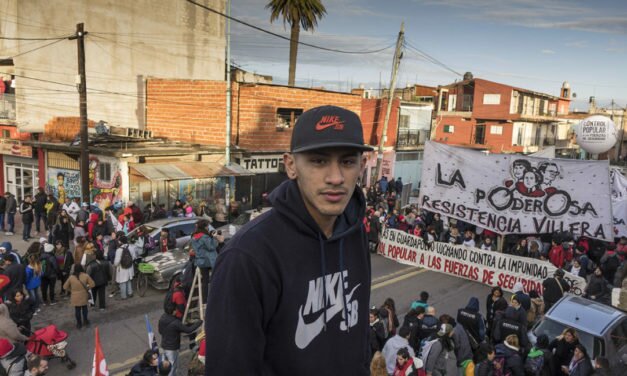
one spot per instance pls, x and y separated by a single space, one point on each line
327 127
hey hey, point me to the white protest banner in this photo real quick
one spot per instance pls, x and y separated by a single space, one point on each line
619 202
514 194
487 267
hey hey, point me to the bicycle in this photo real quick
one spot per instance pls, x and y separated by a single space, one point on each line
144 271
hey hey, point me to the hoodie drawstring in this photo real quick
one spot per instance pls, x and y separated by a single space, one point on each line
323 270
342 282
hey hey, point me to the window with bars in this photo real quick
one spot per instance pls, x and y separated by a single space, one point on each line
449 129
286 117
104 171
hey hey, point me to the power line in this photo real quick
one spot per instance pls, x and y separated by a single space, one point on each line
39 38
284 37
430 58
36 48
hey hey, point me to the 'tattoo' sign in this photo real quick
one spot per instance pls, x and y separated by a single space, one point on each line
596 134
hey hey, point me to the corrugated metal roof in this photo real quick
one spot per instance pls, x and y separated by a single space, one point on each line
187 170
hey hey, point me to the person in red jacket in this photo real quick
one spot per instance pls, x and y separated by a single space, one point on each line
556 254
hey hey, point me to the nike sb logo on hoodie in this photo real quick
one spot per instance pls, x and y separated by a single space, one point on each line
323 303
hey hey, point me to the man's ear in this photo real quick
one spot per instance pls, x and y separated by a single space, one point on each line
289 160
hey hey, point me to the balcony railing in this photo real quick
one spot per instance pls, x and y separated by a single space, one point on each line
7 106
408 138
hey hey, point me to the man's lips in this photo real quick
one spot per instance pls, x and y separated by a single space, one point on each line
333 196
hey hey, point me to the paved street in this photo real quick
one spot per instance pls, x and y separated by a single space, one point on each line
123 332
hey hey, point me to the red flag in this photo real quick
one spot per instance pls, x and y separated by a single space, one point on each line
100 364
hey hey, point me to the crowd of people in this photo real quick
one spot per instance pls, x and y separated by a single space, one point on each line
84 254
465 342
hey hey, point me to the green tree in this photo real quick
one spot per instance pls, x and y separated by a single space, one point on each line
296 13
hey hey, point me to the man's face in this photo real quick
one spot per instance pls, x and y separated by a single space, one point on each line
519 170
27 199
372 318
400 360
326 179
60 180
551 173
43 367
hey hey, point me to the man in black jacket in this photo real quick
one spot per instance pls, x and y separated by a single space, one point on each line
554 289
291 289
11 209
3 209
100 271
26 211
40 212
170 329
15 271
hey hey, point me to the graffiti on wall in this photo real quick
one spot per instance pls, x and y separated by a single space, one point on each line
63 183
105 181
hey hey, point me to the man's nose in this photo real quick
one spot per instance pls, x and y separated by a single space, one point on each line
334 174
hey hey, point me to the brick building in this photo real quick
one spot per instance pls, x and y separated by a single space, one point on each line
263 115
497 117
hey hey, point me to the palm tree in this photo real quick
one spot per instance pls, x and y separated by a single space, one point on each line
297 13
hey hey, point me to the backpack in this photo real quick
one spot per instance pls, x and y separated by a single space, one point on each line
126 261
168 301
500 369
612 263
534 364
425 349
47 268
14 363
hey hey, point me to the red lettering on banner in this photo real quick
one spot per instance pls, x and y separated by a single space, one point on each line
402 253
462 270
487 276
422 259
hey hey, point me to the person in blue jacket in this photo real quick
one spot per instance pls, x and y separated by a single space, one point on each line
205 251
290 291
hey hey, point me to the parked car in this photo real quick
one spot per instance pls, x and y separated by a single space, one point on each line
601 329
230 229
180 228
170 264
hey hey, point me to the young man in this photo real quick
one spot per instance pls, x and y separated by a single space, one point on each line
11 209
26 211
291 289
170 329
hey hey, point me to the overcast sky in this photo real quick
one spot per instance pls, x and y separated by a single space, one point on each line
534 44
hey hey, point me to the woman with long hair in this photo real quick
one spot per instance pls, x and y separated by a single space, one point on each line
392 320
377 365
79 284
21 311
564 347
580 364
33 280
495 302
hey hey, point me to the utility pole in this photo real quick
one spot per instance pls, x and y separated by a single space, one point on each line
398 55
82 92
227 150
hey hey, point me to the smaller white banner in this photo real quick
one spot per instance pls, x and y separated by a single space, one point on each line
489 268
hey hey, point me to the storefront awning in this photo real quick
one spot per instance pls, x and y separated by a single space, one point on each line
187 170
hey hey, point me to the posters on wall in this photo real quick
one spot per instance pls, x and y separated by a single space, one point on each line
513 194
63 183
105 181
489 268
619 202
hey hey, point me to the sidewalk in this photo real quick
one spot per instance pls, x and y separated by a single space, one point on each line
16 239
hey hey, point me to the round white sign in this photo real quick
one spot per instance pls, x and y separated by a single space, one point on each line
596 134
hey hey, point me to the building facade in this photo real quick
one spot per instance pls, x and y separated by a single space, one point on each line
497 117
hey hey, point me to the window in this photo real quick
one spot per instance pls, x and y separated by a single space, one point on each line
449 129
286 117
467 102
104 171
514 104
496 129
403 121
619 336
6 133
452 103
519 138
491 98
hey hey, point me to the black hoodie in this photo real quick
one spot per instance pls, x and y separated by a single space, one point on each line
269 313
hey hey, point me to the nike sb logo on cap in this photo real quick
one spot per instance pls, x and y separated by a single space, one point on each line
328 121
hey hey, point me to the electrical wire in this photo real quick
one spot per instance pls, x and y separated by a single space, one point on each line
38 38
35 49
429 58
284 37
